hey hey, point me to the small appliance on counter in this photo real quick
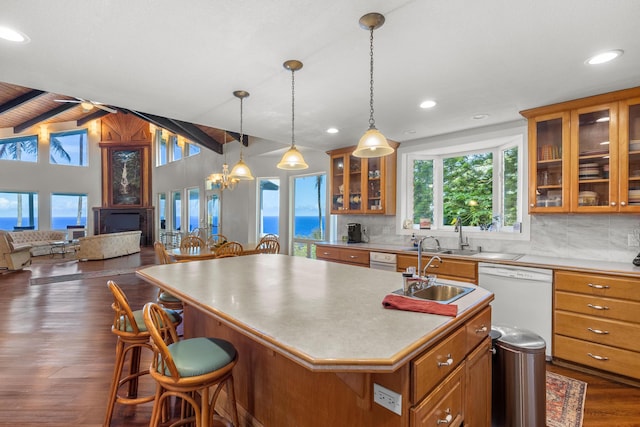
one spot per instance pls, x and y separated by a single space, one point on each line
354 232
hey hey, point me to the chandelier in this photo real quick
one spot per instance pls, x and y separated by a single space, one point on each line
373 143
223 180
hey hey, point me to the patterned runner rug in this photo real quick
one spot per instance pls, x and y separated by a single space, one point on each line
565 401
80 276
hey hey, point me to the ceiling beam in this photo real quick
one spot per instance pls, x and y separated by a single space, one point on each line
15 102
170 125
93 116
197 132
42 117
236 136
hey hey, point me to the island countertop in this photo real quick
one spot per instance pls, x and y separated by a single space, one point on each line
324 316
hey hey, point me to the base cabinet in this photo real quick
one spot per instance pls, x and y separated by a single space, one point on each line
449 268
359 257
597 322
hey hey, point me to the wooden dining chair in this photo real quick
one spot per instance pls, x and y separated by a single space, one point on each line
188 369
268 246
190 243
132 337
229 248
216 240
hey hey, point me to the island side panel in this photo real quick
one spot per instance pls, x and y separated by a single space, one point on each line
276 391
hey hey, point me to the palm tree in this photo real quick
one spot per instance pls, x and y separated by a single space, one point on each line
319 179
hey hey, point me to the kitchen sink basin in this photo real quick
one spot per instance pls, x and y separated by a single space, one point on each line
457 251
439 292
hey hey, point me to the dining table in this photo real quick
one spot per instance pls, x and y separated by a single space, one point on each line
196 254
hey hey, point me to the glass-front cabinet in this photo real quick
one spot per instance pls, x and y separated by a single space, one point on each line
584 155
549 171
362 186
594 138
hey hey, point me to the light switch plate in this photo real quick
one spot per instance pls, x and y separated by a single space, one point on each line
387 398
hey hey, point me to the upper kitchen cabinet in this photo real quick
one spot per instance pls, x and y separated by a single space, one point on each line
362 186
584 155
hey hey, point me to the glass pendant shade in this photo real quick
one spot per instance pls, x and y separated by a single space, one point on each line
373 144
292 160
241 171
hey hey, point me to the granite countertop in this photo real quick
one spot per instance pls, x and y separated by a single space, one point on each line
586 265
325 316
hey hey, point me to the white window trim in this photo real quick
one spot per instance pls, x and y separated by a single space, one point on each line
450 148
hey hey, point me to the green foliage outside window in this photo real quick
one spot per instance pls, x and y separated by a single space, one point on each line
467 189
422 190
510 196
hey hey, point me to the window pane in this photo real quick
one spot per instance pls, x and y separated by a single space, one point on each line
309 207
422 190
510 191
467 189
18 210
68 148
162 210
192 150
193 208
161 147
176 210
269 209
213 213
23 149
176 149
68 209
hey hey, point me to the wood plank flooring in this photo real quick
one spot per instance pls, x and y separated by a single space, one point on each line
57 351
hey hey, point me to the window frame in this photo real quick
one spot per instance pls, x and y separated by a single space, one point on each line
85 208
259 192
17 139
466 146
85 155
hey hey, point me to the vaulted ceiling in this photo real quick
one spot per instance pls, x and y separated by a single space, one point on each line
183 60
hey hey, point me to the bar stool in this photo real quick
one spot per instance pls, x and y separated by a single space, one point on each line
187 369
133 336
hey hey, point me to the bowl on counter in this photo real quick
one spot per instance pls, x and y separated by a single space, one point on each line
588 198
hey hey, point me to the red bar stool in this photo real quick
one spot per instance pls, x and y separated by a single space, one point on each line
187 369
133 337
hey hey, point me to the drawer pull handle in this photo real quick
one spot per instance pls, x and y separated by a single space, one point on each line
449 362
598 307
595 356
596 286
326 253
598 331
447 419
482 330
353 256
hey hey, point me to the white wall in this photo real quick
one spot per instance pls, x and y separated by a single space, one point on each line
45 178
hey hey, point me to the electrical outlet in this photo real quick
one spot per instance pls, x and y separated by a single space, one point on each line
387 398
632 240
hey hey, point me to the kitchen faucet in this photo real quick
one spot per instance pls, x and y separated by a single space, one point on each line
420 250
461 243
426 267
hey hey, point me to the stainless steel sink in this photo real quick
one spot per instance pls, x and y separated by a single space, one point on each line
439 292
457 251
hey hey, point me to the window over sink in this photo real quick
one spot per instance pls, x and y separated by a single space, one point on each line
481 182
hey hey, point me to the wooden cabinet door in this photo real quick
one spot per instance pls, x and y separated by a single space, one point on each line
478 386
629 161
346 183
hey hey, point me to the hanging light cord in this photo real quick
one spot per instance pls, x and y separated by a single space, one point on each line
241 134
372 122
293 110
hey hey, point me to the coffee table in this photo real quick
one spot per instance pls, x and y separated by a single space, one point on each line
62 247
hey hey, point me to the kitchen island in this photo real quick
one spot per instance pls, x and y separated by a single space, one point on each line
313 338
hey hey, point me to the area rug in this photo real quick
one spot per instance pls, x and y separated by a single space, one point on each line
80 276
565 401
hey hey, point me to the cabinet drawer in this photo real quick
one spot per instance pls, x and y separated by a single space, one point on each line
444 406
602 331
598 285
478 328
608 308
354 256
331 254
623 362
450 268
430 368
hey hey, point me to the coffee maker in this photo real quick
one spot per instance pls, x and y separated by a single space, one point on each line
354 232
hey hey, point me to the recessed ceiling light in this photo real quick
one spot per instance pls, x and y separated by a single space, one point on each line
480 116
333 130
13 35
603 57
428 104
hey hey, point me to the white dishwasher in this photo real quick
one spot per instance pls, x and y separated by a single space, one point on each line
523 297
382 261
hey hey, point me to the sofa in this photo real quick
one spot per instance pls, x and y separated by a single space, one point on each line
111 245
40 240
13 256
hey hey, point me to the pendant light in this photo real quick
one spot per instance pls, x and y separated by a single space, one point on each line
241 171
223 180
292 159
373 143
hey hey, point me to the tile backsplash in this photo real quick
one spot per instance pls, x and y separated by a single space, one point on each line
598 237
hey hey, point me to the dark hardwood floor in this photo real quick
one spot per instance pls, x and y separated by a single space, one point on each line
57 351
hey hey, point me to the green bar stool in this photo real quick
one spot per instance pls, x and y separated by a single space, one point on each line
133 337
187 369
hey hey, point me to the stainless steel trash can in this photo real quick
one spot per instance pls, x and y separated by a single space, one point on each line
519 378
